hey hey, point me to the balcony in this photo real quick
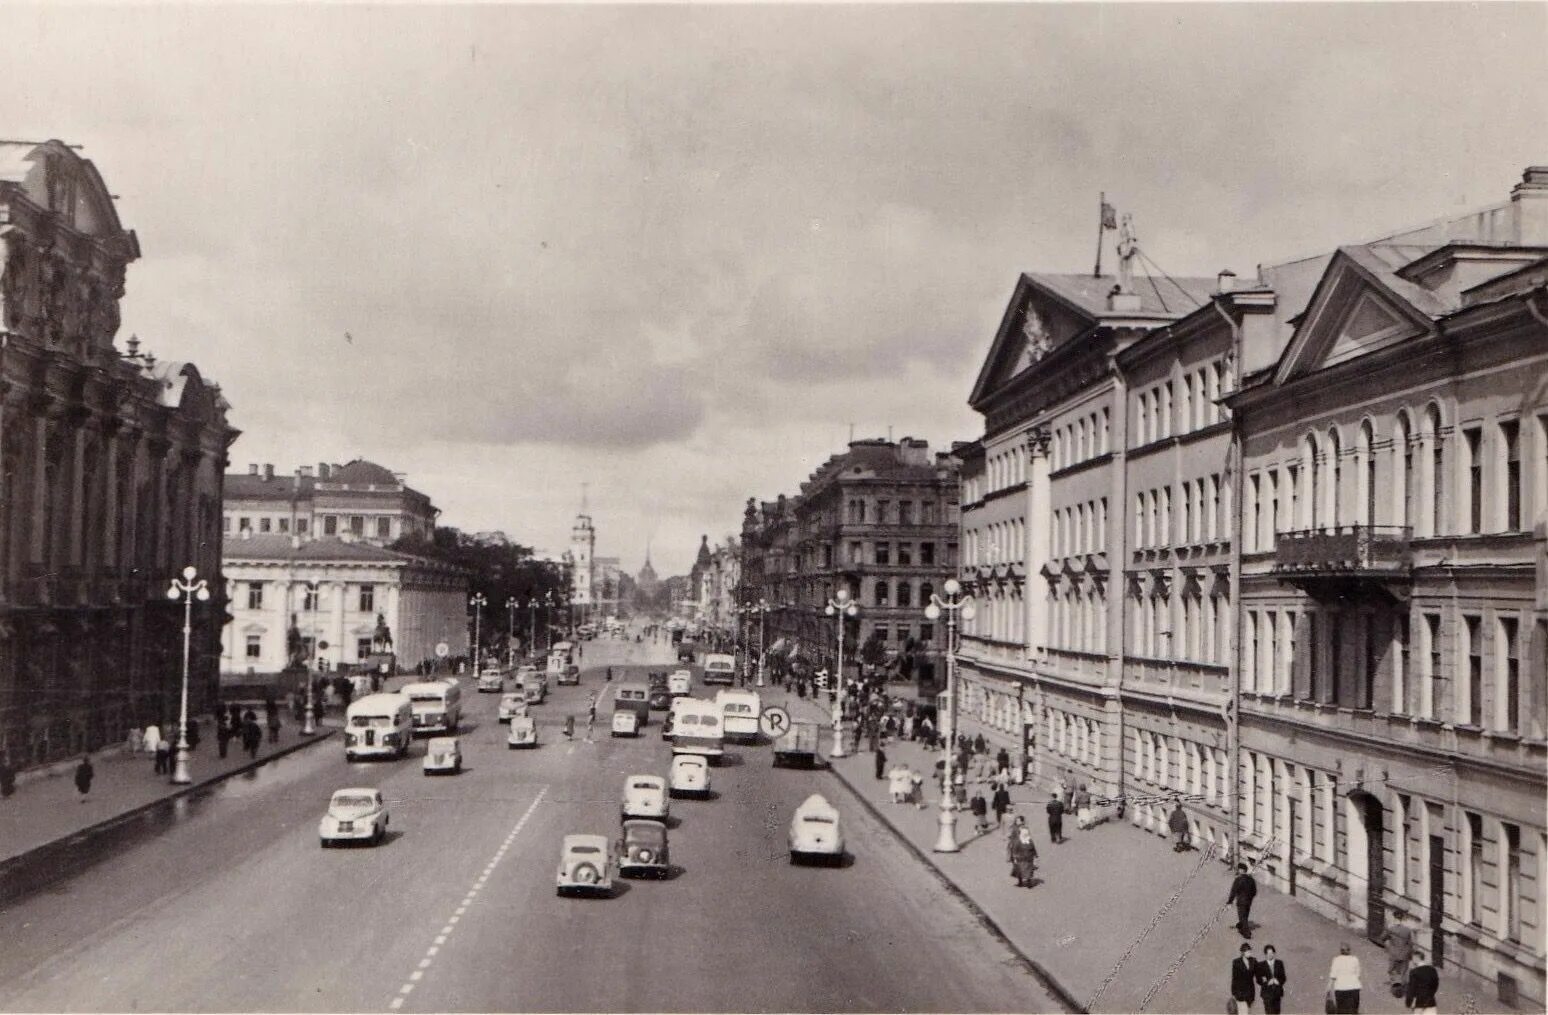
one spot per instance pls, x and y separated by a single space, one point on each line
1345 559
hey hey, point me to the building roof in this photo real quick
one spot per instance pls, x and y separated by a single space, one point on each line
364 473
242 486
278 546
1088 293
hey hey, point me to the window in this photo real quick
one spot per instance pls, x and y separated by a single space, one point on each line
1473 882
1400 665
1474 649
1292 497
1403 457
367 598
301 525
1437 471
263 524
1166 409
905 512
881 593
1511 898
905 555
927 512
309 598
1432 670
905 594
331 525
383 527
255 595
884 553
926 631
882 505
284 524
881 632
1368 467
1185 404
1472 440
245 523
1510 448
855 551
357 524
254 646
927 554
1313 657
225 523
1507 693
362 647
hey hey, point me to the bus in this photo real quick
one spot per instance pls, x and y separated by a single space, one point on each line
739 711
560 658
719 669
697 728
437 705
378 724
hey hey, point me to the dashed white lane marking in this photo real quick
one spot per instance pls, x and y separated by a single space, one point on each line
462 908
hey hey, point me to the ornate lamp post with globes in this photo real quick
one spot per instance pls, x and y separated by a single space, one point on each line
187 590
510 633
951 606
309 721
761 608
478 602
839 607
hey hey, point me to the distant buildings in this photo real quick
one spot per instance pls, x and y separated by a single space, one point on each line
110 478
362 500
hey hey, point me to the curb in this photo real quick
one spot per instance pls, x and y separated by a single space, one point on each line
1046 979
21 860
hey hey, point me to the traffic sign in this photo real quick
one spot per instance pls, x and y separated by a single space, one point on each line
774 722
442 650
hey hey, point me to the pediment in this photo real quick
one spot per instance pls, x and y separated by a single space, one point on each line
1351 315
1035 323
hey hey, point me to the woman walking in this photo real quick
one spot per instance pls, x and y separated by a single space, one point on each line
1023 855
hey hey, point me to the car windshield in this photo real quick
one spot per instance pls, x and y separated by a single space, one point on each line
425 696
366 721
352 800
738 708
709 720
817 819
644 785
584 849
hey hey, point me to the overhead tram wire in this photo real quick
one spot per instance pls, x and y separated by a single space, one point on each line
1186 294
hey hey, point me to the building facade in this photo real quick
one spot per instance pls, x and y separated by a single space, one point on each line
326 602
1395 469
111 470
361 499
880 521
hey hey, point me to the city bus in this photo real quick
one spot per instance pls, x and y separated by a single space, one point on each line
437 705
561 663
697 728
719 669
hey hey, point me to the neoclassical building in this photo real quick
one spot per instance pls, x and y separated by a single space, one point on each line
111 471
361 499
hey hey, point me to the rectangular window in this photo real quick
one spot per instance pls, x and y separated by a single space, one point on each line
1166 409
855 550
1507 689
357 524
245 523
905 512
1473 879
1365 688
254 646
1313 656
1254 514
1510 448
1472 441
1292 497
225 523
905 555
362 647
884 553
927 554
309 598
284 524
1511 897
1432 669
927 634
367 598
882 505
331 525
383 527
1474 650
255 595
301 525
263 524
1400 655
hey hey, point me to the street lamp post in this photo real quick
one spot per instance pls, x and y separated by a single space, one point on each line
532 603
548 616
762 610
951 606
839 607
309 721
187 590
510 632
478 602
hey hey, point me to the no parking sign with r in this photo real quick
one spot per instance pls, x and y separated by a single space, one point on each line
774 722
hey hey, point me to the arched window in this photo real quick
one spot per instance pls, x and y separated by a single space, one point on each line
905 594
1309 501
1403 470
1436 469
1365 474
1334 479
881 593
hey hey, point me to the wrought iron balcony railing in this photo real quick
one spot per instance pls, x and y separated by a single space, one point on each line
1346 550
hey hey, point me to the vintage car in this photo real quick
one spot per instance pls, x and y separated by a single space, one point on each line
523 733
815 831
645 796
512 704
626 724
586 865
354 815
535 691
443 754
680 682
659 698
644 850
492 679
689 775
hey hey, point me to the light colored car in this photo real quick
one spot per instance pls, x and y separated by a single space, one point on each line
443 754
512 704
354 815
815 831
535 691
586 864
680 682
644 850
689 775
523 732
626 724
491 680
645 796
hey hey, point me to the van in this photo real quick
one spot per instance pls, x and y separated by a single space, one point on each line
719 669
633 697
697 729
739 712
437 705
378 725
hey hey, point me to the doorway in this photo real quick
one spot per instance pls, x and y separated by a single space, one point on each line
1437 899
1371 857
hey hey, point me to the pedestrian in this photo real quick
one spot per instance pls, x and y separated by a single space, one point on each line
1082 807
916 787
7 776
1055 819
274 726
1177 823
1069 790
1423 983
908 727
1001 804
1243 890
1002 761
1271 980
591 712
1344 982
222 734
252 737
193 734
980 809
1023 858
881 760
163 757
135 740
1244 979
569 727
1399 944
84 773
979 746
609 674
236 717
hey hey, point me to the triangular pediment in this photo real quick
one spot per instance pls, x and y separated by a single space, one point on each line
1351 314
1035 323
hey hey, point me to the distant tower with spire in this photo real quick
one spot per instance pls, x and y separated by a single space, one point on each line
647 581
583 546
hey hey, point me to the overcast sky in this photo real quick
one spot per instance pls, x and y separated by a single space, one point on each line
675 252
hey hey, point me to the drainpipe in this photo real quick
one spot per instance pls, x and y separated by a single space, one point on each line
1233 705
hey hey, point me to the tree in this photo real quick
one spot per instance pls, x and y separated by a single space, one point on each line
500 569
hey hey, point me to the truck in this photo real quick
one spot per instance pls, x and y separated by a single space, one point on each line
797 747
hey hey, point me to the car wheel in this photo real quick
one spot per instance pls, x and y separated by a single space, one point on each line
377 835
586 874
325 843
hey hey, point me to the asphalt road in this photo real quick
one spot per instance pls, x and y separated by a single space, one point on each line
229 904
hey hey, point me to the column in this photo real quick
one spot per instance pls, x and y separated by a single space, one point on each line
39 549
1039 522
108 559
75 535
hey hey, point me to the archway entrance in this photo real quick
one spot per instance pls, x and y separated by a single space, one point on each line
1367 870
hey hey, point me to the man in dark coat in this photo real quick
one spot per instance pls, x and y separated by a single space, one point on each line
1056 819
1271 980
83 776
252 736
1243 890
881 760
1177 824
1423 982
1002 761
1244 978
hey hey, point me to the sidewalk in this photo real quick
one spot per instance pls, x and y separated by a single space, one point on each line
46 808
1100 891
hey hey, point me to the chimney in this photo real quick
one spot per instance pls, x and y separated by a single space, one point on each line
1122 302
305 472
252 468
268 471
1529 206
322 470
1225 281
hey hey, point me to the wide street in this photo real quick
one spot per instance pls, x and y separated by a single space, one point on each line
231 904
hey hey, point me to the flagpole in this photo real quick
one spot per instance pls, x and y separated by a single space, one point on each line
1101 208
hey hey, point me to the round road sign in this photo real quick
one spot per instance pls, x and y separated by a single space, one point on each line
442 650
774 722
